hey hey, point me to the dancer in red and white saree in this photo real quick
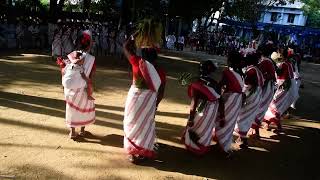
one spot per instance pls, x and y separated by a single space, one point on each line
66 40
56 47
252 89
283 96
203 111
141 103
80 109
232 85
267 68
292 58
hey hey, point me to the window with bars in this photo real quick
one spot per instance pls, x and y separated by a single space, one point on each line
274 17
291 18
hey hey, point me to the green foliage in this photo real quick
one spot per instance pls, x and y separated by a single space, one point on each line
185 78
44 2
72 7
148 33
312 10
250 10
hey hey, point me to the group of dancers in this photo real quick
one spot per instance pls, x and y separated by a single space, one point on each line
105 39
255 88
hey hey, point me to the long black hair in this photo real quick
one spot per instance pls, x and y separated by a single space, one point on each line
251 59
149 54
83 41
234 61
205 68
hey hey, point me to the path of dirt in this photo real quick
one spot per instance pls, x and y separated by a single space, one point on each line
34 143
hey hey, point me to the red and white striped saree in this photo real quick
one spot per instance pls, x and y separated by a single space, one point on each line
204 121
297 83
268 89
266 98
250 108
140 108
233 101
67 44
282 98
56 47
79 110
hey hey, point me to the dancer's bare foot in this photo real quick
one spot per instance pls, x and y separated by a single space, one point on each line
257 133
266 125
72 134
244 144
82 132
279 131
135 159
91 98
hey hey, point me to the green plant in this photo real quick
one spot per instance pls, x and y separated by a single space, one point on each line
148 33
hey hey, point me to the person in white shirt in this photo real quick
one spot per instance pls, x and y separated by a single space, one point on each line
19 34
34 30
180 43
171 40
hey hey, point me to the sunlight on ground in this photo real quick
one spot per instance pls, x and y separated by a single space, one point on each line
270 140
35 55
259 149
178 59
19 61
303 123
34 139
33 105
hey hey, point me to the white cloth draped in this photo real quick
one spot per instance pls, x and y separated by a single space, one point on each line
232 108
140 108
138 123
204 123
80 111
266 98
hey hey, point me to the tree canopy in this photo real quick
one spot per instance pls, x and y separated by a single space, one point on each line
133 10
312 10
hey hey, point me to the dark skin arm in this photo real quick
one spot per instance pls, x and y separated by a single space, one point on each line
160 93
221 84
128 47
193 106
221 112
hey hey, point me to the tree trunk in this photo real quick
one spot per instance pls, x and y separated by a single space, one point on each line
86 6
10 12
52 10
9 3
60 6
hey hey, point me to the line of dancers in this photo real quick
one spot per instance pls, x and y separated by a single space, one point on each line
255 88
106 40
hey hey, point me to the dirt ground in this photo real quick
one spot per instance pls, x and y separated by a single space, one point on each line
34 140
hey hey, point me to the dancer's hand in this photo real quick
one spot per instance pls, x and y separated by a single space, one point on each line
244 97
190 123
60 62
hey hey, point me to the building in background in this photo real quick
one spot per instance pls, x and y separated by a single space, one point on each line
290 14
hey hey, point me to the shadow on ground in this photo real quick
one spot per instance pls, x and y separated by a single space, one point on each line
56 108
268 158
290 156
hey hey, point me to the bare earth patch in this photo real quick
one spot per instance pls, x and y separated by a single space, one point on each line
34 140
